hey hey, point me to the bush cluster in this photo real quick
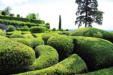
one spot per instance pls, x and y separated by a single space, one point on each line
93 32
37 29
62 44
70 66
22 19
14 56
46 56
96 52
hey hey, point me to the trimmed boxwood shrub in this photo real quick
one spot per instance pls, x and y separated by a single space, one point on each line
14 56
16 34
36 42
47 56
93 32
22 40
96 52
71 65
25 28
37 29
11 28
62 44
106 71
28 36
1 33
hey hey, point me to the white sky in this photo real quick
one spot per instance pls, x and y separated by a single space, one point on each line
49 10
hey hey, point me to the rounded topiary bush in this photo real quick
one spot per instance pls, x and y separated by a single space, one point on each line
93 32
62 44
16 35
1 33
47 56
36 29
14 56
69 66
22 40
96 52
25 28
36 41
11 28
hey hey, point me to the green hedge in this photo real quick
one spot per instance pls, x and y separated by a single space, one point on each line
33 42
106 71
2 33
62 44
37 29
19 23
22 19
47 56
11 28
93 32
14 56
71 65
16 34
36 42
96 52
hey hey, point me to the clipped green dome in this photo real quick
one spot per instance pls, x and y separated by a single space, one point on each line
14 56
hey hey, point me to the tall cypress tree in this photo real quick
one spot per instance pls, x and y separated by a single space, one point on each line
60 22
88 13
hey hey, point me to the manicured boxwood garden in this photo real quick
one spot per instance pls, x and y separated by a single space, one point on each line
96 52
71 65
93 32
14 57
62 44
46 56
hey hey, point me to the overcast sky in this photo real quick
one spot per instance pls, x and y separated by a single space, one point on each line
49 10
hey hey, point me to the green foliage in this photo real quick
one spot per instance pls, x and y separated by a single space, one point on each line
62 44
37 29
28 36
11 15
31 16
60 22
18 16
88 13
106 71
96 52
93 32
47 25
16 34
64 33
54 29
14 56
11 28
36 42
48 56
1 33
25 28
22 19
71 65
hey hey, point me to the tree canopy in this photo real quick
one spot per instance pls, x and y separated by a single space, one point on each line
88 13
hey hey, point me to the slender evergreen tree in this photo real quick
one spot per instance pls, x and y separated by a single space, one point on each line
60 22
88 13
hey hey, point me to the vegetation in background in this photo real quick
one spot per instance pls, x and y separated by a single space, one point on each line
60 22
88 13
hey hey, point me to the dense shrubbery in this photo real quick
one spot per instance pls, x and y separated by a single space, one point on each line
97 53
19 23
14 56
28 36
48 56
25 28
22 19
36 42
62 44
37 29
106 71
16 34
11 28
1 33
93 32
71 65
